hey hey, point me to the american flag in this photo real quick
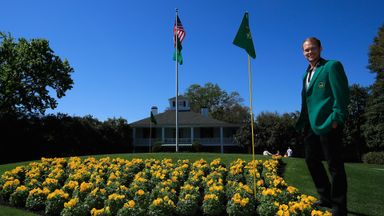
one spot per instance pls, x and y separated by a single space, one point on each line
178 30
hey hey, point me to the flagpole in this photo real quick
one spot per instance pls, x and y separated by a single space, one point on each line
253 136
177 85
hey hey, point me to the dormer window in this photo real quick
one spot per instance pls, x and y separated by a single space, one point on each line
183 104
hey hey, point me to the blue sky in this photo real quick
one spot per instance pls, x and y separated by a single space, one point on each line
121 51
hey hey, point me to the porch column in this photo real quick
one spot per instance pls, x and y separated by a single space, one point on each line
221 140
163 134
133 139
192 135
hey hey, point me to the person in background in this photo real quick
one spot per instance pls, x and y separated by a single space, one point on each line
267 153
277 153
325 97
289 152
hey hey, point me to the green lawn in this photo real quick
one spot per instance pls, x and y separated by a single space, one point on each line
365 182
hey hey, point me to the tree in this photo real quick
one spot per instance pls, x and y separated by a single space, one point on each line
30 74
353 135
243 136
271 130
221 105
374 113
274 131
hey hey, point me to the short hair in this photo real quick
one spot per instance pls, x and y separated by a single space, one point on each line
313 39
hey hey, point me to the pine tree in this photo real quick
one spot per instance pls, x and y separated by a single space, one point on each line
374 114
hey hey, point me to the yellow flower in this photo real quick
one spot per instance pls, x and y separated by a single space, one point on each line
282 213
211 196
130 204
112 176
140 192
268 191
97 212
283 207
58 193
115 196
11 183
291 189
215 162
295 207
21 188
50 181
316 213
123 188
216 188
32 182
187 187
72 184
86 187
320 213
157 201
244 201
171 203
247 189
71 203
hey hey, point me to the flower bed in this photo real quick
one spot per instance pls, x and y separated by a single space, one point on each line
121 187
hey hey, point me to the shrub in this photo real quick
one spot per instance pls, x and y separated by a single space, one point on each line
55 202
196 146
36 199
156 147
115 202
162 206
19 197
74 208
131 208
374 158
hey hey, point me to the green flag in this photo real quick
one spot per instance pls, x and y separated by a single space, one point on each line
243 37
178 52
153 120
178 37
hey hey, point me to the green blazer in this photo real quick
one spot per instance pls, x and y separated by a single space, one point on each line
326 99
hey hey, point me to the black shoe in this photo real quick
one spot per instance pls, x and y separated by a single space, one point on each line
322 203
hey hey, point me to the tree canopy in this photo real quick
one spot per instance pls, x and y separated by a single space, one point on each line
376 54
30 75
374 113
353 139
221 105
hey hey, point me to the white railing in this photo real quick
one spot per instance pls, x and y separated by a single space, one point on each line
168 141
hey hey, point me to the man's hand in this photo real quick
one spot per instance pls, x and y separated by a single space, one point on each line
334 125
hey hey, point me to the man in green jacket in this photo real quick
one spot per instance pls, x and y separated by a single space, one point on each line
325 97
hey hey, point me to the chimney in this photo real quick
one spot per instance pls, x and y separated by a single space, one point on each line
204 111
154 110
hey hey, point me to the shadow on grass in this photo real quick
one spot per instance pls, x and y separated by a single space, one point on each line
281 168
357 213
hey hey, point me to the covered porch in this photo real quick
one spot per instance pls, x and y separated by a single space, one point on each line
206 136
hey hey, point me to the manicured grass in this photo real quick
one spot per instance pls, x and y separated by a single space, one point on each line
365 182
9 211
365 185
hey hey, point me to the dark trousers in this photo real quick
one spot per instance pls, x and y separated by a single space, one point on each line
330 146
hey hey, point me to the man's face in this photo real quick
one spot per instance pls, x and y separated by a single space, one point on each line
311 51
